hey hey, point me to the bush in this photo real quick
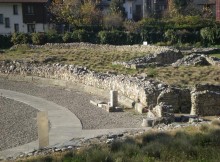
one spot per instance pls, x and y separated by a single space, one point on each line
5 41
53 37
98 154
68 37
133 38
112 37
210 35
38 38
82 35
20 38
113 21
171 36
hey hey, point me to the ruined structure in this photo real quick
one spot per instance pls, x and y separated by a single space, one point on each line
161 57
205 100
139 92
145 92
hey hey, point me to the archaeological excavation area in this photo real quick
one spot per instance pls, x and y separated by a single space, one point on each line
103 102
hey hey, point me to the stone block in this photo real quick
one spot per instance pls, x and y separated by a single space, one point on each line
104 106
163 110
118 109
113 98
43 129
147 122
96 102
139 108
110 109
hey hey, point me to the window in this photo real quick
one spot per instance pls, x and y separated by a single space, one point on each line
16 27
7 22
30 9
15 9
1 18
31 28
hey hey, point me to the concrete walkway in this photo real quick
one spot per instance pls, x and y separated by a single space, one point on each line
65 126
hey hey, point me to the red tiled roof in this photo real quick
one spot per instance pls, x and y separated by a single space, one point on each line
23 1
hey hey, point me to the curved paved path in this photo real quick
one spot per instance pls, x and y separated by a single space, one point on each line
65 126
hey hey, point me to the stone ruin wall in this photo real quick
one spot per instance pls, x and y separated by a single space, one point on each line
140 90
148 92
180 99
205 100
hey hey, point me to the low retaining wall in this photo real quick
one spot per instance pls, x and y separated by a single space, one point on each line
145 91
205 99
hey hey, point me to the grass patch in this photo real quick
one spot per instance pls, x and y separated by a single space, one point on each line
215 55
189 75
188 144
100 59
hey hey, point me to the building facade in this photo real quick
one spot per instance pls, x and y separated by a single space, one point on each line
138 9
25 16
217 10
208 6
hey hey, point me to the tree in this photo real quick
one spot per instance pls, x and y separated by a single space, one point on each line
91 15
113 21
116 7
210 34
177 7
115 16
76 12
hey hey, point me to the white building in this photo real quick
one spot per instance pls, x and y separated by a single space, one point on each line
25 16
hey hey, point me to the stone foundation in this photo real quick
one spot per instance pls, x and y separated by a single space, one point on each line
143 91
205 100
157 58
180 99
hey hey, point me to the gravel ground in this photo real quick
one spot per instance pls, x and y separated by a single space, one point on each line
18 124
77 102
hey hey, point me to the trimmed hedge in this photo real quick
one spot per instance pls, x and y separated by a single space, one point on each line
5 41
20 38
176 31
39 38
112 37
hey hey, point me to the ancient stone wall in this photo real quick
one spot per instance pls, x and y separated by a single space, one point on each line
197 60
141 90
205 100
180 99
159 58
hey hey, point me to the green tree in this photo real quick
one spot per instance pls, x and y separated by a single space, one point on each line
116 7
210 34
76 12
177 7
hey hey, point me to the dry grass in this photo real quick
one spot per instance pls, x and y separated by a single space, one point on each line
100 59
184 76
187 144
215 55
